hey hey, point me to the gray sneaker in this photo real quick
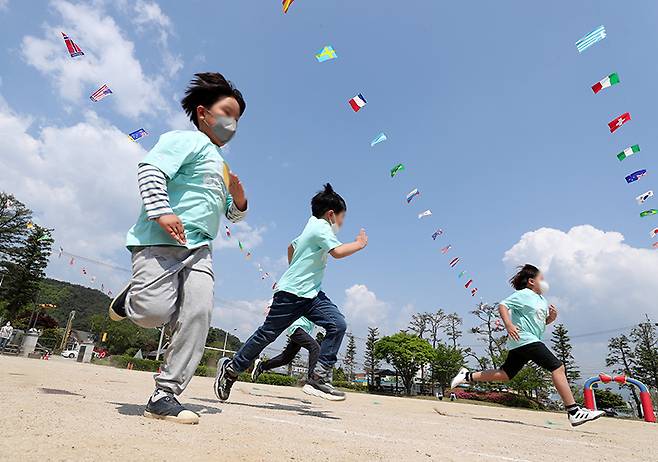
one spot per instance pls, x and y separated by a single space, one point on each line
316 386
225 379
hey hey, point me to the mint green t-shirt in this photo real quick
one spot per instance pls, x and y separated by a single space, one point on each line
529 312
304 275
196 188
304 324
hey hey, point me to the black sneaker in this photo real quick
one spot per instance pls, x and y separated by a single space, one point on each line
168 408
258 370
225 379
117 310
316 386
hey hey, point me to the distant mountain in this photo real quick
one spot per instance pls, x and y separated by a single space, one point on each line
85 301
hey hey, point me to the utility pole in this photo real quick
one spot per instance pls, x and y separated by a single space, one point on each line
67 332
225 340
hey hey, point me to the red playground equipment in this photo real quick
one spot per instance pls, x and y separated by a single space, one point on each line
645 397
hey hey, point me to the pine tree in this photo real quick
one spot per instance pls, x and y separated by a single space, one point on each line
562 348
419 324
435 321
25 269
371 361
646 353
350 357
453 321
621 355
14 221
491 331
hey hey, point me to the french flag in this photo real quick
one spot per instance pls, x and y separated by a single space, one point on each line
358 102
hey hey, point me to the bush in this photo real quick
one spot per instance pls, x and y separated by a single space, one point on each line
350 385
269 378
138 364
506 399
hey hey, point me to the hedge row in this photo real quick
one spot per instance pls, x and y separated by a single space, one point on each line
506 399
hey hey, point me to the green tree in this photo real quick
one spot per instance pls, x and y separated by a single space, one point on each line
371 361
607 399
435 321
562 348
451 328
14 220
622 357
419 324
531 381
406 353
350 357
124 335
646 353
447 362
491 331
25 269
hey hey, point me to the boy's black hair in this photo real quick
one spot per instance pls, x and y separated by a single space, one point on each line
520 280
326 200
205 89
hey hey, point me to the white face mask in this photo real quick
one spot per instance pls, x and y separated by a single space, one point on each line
543 286
335 228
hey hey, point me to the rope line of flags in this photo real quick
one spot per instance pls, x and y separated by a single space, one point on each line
584 43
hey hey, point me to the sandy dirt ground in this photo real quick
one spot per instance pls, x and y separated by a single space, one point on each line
63 410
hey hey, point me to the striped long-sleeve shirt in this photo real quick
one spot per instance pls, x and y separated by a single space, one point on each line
153 189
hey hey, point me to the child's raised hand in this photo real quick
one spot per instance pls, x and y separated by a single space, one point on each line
237 192
173 226
362 238
552 314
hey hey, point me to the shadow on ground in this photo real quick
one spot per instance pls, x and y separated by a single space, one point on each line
138 409
300 409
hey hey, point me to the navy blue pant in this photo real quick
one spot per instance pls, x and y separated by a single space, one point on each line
287 308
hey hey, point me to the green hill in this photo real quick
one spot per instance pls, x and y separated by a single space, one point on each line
85 301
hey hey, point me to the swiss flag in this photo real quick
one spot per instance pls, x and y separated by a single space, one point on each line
619 121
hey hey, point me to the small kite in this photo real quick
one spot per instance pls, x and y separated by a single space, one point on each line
468 284
461 274
358 102
240 245
612 79
137 134
248 256
101 93
424 214
454 262
84 271
654 232
646 213
93 279
474 291
615 124
635 176
412 194
642 198
286 5
590 39
629 151
61 251
436 234
397 169
655 245
228 231
446 249
274 286
379 139
326 54
74 50
264 276
72 261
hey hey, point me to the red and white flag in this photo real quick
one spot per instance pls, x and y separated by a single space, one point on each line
619 121
358 102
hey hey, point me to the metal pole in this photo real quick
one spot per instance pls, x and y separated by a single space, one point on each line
225 340
157 355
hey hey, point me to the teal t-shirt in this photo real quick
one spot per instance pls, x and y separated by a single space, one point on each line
529 312
304 275
304 324
197 191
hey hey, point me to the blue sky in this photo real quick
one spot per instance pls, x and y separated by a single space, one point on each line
488 105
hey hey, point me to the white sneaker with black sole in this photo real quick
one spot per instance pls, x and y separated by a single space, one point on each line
258 370
583 415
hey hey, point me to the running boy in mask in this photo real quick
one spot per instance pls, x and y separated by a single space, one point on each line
525 314
299 294
186 187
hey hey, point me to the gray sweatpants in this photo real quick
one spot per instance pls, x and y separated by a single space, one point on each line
174 286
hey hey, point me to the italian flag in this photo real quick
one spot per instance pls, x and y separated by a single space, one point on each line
612 79
629 151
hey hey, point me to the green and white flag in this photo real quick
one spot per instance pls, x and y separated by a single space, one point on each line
629 151
612 79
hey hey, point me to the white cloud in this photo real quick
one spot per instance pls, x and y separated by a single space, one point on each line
109 58
249 236
243 315
597 281
79 180
4 4
149 15
362 309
